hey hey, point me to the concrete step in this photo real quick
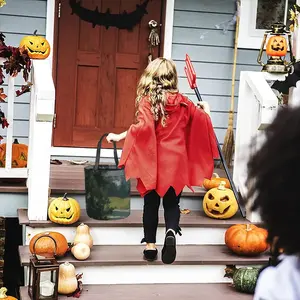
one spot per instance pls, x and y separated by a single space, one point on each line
197 229
125 265
217 291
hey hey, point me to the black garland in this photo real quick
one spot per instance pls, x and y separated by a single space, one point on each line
121 21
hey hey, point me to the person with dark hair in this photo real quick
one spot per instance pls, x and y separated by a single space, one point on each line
274 185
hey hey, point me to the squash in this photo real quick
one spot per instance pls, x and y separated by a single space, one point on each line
220 203
276 46
81 251
19 155
64 210
215 182
67 280
244 279
246 239
37 46
45 245
3 295
83 235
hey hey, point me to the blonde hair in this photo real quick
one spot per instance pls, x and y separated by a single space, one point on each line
159 77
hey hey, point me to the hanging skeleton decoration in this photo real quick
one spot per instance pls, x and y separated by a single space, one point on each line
122 21
153 38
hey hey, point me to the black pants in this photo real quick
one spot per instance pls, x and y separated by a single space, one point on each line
150 216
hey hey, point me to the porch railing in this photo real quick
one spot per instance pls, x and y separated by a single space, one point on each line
257 107
39 141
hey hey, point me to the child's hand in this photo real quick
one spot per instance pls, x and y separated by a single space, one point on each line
112 137
204 105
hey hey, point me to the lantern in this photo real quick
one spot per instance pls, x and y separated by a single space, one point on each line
276 50
43 276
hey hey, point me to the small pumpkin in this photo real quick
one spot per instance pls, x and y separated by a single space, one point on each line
81 251
67 280
244 279
215 182
45 246
276 46
37 46
83 235
64 210
220 203
19 155
3 295
246 239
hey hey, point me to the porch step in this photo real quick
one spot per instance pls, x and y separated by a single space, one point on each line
132 255
125 265
215 291
197 228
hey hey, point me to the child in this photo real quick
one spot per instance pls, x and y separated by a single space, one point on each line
274 174
171 146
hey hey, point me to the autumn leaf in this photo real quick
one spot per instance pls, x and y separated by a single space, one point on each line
24 89
2 95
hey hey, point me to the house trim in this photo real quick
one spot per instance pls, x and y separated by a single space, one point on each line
167 52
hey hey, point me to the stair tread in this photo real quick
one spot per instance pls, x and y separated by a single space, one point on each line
194 219
194 291
212 291
132 255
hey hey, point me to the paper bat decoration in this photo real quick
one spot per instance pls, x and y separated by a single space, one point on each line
290 80
121 21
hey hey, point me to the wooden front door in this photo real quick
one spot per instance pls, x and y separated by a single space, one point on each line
97 70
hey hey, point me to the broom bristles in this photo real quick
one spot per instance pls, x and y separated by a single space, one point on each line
228 146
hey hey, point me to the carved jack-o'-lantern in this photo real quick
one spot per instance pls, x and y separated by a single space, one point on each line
220 203
37 46
64 210
276 46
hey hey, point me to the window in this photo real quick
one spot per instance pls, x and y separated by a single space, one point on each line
257 16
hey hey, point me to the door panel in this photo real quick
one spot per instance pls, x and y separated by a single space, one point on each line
97 72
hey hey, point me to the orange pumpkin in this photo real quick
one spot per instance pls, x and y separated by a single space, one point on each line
214 182
276 46
45 245
19 155
246 239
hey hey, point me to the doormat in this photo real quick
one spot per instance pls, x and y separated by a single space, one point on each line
122 21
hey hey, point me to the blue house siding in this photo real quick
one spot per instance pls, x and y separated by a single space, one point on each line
211 55
19 18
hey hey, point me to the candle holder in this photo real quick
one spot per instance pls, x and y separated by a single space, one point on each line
43 276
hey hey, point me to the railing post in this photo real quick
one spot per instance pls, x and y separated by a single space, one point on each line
10 118
41 124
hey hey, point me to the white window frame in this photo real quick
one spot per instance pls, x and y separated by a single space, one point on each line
249 36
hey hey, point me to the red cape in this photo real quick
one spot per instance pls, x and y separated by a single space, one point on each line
178 155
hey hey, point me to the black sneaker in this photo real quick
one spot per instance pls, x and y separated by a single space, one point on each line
150 254
169 250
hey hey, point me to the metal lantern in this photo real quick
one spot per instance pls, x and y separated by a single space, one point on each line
276 50
43 276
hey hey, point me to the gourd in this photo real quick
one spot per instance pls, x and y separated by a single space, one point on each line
64 210
276 46
215 182
19 155
45 246
67 280
220 203
246 239
81 251
244 279
83 235
37 46
3 295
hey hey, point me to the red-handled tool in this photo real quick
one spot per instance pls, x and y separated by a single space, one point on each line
191 76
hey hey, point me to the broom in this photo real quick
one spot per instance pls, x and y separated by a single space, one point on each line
228 146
